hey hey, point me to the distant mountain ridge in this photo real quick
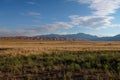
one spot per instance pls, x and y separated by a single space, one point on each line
78 36
114 38
82 36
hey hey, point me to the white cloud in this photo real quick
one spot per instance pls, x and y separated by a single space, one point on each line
52 27
57 25
31 13
91 21
8 32
101 17
31 3
45 29
102 7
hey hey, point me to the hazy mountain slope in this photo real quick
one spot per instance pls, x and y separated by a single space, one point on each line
81 36
78 36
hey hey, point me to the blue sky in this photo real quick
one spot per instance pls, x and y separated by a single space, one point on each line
34 17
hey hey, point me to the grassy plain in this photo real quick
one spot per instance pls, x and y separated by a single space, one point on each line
26 47
59 60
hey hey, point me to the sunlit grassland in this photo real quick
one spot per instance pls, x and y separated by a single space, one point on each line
59 60
26 47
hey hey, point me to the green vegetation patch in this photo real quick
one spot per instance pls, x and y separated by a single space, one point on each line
65 65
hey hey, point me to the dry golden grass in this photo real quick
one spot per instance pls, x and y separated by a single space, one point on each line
26 47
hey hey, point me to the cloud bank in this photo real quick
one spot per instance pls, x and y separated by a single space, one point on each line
36 30
91 21
102 7
101 17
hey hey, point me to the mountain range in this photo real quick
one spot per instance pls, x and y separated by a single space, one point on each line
78 36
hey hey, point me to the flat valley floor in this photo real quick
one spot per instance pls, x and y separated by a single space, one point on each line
26 47
59 60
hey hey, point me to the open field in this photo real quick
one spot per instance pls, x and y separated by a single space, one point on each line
59 60
26 47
